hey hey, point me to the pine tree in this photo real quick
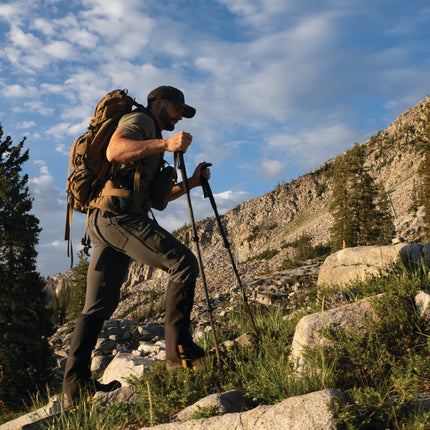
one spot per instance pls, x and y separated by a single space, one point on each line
362 199
360 209
416 198
384 229
426 189
24 318
339 206
426 170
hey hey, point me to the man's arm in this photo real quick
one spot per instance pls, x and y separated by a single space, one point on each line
124 148
194 181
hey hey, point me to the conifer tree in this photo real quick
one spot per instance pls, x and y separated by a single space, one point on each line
339 206
24 318
362 199
384 229
360 208
426 171
416 197
426 190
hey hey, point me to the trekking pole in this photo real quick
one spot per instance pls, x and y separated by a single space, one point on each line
207 192
181 166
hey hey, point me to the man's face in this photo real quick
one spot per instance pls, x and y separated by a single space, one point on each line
170 114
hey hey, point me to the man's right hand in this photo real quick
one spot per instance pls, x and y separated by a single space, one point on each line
179 142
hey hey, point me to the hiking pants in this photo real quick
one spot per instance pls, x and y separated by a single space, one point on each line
117 239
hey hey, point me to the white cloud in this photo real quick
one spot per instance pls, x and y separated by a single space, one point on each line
46 195
311 148
16 90
62 129
26 124
124 34
271 168
45 26
59 49
8 11
49 205
23 40
177 213
259 13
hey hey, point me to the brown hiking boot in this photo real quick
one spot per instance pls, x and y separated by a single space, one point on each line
196 359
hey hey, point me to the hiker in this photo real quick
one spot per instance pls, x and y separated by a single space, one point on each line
120 230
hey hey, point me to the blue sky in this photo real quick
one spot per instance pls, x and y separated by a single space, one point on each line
280 86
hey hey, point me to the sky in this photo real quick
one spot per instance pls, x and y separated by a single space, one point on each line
280 87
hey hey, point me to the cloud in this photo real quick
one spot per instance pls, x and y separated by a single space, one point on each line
177 214
8 11
59 49
271 168
258 13
26 124
23 40
49 206
46 195
16 90
311 148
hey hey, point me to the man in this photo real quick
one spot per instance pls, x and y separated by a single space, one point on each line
120 230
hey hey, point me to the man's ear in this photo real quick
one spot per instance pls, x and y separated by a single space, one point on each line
158 102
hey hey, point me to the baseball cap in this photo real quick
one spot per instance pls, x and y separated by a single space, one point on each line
175 96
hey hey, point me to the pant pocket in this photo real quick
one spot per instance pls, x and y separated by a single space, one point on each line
104 228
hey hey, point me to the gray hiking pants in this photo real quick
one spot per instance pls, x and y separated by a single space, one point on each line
116 239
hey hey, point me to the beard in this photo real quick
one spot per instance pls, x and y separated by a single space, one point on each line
167 122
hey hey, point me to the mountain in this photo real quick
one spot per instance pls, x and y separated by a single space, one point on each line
264 226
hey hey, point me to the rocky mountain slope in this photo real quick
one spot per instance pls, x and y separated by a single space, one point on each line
270 222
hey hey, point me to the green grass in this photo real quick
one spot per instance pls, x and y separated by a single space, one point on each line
381 370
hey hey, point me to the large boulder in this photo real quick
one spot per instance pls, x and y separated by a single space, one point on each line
221 403
124 366
307 412
350 264
308 330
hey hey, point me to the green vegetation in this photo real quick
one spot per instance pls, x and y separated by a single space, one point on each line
145 308
304 250
181 230
254 233
24 318
426 170
69 303
360 207
381 370
265 255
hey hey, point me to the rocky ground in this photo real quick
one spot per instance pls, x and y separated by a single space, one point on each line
144 337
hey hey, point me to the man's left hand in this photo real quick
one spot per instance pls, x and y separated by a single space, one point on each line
201 171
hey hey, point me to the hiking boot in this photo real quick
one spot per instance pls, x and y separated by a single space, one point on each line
193 357
194 351
92 387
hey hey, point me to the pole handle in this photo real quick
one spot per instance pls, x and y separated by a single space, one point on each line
180 160
207 192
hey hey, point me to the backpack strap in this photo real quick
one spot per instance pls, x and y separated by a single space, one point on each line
110 190
68 227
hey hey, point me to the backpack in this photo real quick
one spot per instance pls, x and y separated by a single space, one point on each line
88 166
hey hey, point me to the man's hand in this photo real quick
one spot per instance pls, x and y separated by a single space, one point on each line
179 142
201 171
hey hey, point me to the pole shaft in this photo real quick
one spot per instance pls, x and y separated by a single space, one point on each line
207 192
181 167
